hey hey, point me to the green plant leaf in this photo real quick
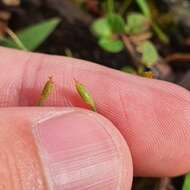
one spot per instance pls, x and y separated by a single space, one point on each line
143 5
101 28
149 53
34 35
186 185
107 26
110 45
117 23
136 23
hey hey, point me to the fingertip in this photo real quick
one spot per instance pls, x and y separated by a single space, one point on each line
83 150
68 148
159 128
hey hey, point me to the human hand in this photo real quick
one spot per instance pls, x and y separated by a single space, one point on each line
70 148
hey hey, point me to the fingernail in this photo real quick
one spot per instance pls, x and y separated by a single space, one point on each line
77 152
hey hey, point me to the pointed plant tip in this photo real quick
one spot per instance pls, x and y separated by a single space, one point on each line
51 78
85 95
56 19
76 82
46 91
32 36
94 109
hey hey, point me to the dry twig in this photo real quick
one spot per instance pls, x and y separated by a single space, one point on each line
177 57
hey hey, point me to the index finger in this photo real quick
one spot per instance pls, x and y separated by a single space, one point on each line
152 115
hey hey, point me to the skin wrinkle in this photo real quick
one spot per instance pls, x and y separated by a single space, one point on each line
126 127
173 112
10 70
25 67
11 181
5 100
115 142
141 139
66 83
37 71
17 170
118 152
122 106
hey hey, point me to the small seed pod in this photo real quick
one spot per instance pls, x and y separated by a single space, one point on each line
47 90
85 95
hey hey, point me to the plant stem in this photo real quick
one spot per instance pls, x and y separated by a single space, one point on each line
125 6
16 39
163 37
178 57
130 49
144 6
110 6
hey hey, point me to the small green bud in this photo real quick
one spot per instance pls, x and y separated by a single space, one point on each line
47 90
85 95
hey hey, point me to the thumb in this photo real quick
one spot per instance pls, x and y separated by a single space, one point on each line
61 148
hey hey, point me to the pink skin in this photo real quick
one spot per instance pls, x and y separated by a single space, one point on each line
153 116
66 148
